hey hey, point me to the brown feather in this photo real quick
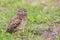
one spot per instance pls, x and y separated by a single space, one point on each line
18 21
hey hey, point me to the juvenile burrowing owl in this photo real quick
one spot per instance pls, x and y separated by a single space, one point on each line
18 22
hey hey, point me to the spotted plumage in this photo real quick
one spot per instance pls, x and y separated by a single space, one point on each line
18 22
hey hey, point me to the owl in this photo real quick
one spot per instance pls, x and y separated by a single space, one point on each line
18 22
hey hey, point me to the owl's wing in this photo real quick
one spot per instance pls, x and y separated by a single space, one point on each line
14 23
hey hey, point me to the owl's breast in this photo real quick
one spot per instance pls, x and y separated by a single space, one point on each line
22 25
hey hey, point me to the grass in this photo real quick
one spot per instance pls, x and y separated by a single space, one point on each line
36 15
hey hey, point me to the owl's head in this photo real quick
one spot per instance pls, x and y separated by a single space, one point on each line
22 11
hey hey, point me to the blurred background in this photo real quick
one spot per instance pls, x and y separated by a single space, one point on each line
41 14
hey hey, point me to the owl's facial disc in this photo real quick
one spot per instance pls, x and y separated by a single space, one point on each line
22 11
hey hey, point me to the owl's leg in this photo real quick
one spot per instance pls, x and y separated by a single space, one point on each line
20 29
